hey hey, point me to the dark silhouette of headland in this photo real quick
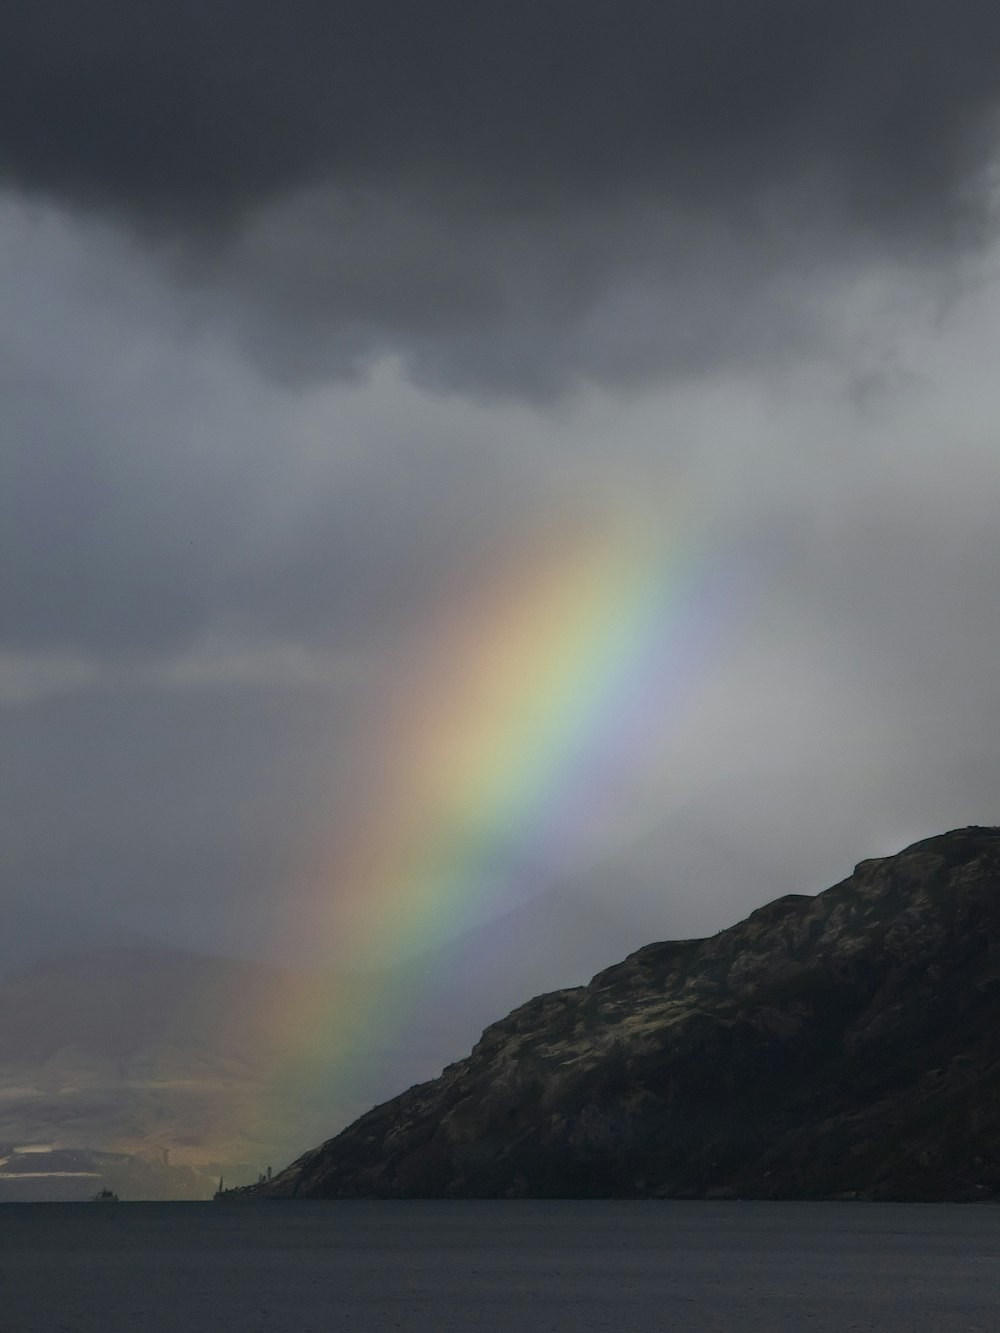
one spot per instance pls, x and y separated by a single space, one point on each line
842 1046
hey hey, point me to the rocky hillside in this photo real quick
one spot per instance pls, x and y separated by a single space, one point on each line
843 1045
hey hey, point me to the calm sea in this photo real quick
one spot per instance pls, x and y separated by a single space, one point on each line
524 1267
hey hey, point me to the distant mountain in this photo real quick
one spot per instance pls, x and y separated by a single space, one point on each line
29 934
843 1045
561 937
76 1174
141 1050
137 1049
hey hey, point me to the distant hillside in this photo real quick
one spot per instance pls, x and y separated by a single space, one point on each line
558 937
134 1049
31 934
137 1050
844 1045
76 1174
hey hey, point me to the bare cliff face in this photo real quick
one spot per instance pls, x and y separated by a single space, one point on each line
844 1045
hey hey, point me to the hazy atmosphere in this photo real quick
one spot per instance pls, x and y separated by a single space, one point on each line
463 466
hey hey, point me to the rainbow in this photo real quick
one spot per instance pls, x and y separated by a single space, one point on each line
551 681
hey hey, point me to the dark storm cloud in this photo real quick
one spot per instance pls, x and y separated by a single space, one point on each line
155 491
175 109
133 534
508 196
215 574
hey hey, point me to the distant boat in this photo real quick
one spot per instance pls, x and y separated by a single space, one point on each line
105 1196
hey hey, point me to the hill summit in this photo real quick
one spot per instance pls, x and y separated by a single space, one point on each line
845 1045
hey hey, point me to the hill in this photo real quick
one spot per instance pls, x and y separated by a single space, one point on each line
74 1175
842 1045
138 1050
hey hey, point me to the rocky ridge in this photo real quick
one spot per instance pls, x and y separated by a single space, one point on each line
845 1045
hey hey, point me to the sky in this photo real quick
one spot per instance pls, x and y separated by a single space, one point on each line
330 332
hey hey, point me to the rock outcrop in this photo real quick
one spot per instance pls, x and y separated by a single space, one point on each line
843 1045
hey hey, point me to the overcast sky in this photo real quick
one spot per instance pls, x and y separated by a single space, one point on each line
310 312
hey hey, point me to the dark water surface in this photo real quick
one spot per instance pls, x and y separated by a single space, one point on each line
525 1267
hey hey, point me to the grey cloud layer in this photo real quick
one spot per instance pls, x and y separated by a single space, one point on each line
193 112
510 197
216 574
156 491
